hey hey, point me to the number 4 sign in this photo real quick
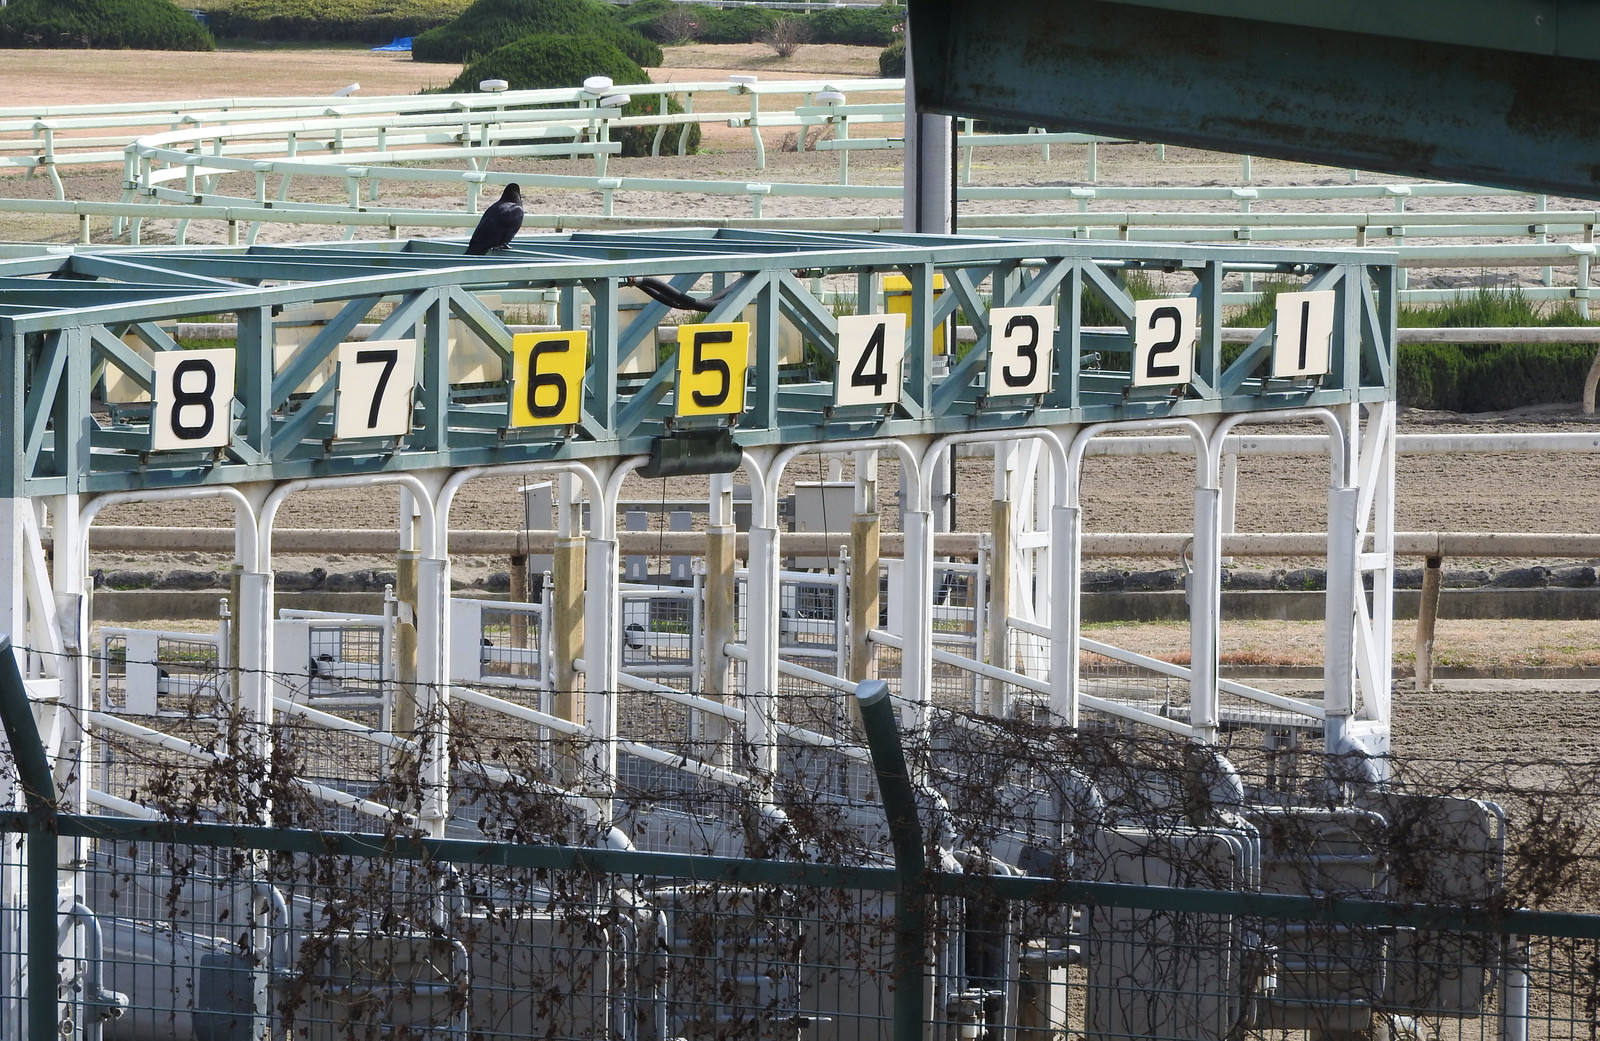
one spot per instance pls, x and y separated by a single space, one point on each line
191 399
871 359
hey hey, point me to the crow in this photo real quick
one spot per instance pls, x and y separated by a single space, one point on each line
498 224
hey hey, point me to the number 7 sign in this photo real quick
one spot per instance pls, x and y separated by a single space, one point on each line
376 379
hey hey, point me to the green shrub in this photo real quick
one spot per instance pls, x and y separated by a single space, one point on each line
342 21
735 24
489 24
859 26
143 24
669 22
541 61
1490 377
892 60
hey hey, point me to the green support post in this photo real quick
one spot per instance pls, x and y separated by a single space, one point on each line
910 863
38 789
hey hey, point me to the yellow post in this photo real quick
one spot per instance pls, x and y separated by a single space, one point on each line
567 620
897 299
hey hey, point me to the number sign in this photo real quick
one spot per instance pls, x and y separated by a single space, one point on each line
376 379
1304 324
547 377
712 359
1021 344
192 399
871 359
1164 331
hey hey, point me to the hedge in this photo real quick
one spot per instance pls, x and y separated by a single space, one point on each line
142 24
669 22
892 60
490 24
1490 377
339 21
556 60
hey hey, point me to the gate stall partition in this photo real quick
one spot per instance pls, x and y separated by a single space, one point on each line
704 713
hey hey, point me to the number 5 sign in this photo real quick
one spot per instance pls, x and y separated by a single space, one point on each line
712 359
191 399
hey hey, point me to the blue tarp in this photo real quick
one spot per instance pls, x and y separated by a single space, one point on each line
399 43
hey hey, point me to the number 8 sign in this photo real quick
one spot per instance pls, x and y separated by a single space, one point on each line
191 400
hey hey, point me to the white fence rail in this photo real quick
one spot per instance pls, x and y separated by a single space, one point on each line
249 162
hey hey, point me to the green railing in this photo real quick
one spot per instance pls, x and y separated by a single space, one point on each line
204 929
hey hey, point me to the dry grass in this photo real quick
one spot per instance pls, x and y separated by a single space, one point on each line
1509 644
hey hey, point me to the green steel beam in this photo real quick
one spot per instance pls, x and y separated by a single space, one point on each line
1494 92
63 440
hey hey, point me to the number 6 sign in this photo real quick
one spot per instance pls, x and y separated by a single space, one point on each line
191 399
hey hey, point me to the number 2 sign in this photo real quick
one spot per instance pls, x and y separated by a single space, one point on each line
376 379
1164 332
191 400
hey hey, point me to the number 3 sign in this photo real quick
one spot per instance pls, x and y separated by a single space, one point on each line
191 399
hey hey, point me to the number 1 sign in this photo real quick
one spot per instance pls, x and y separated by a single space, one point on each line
1304 323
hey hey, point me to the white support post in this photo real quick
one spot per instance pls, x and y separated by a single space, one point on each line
433 698
761 633
600 651
1066 563
1205 612
1339 622
916 664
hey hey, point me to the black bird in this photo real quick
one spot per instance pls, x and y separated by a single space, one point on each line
498 224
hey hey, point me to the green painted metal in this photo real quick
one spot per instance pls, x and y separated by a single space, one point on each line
634 863
68 332
882 728
40 824
1487 92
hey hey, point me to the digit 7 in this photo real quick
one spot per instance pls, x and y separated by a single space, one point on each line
387 357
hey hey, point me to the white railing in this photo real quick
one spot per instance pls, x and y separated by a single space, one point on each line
250 162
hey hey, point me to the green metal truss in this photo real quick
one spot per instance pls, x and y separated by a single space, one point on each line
68 322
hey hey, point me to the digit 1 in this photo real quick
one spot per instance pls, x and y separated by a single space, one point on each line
1305 332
